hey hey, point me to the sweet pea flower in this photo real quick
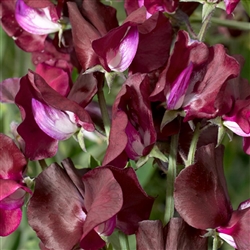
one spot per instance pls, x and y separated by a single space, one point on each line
237 117
83 206
132 120
117 49
36 21
13 190
202 200
231 5
176 235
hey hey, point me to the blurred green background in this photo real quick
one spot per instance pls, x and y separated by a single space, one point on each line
15 63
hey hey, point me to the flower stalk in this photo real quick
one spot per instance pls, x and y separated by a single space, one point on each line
171 175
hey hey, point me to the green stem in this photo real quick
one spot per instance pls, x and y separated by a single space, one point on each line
193 146
226 23
204 26
171 175
104 111
43 164
215 242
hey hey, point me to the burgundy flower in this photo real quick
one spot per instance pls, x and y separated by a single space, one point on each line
155 38
37 21
176 235
78 210
202 200
88 26
23 39
38 114
168 6
12 188
117 48
237 117
231 5
132 121
192 78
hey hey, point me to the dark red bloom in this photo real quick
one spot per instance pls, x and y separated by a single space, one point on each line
202 200
76 208
132 130
13 190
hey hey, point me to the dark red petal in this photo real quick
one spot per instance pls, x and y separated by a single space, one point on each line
55 209
83 35
155 37
103 197
137 204
200 195
150 235
180 236
12 159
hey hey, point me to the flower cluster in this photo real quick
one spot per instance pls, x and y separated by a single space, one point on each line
175 98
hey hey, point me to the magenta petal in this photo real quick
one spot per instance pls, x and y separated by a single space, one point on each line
53 122
231 5
9 221
103 197
238 228
8 90
179 88
12 160
35 21
12 194
200 194
57 78
246 145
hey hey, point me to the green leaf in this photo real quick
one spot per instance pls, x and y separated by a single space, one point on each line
246 5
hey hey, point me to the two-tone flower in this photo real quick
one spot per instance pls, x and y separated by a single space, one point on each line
202 200
82 208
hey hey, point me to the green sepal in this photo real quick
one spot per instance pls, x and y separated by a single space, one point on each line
221 134
97 68
80 139
154 153
93 162
169 116
207 9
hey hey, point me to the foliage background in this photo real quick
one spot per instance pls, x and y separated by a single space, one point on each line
15 63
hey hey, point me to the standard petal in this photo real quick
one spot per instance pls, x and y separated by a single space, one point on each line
103 198
150 235
55 210
12 159
200 195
